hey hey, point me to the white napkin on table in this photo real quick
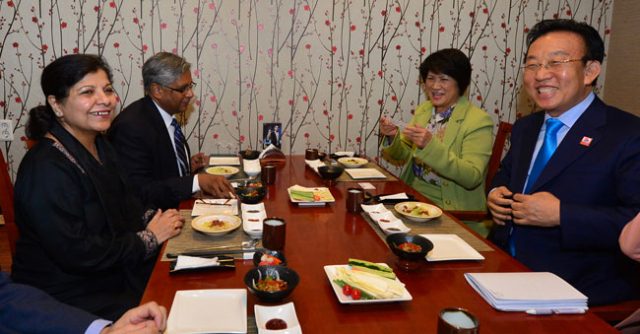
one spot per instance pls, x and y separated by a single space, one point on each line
185 262
395 196
314 164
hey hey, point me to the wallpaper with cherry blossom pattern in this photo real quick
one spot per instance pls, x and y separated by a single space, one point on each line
327 70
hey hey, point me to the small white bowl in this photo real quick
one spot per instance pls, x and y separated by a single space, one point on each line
396 226
388 216
252 226
245 208
353 162
286 312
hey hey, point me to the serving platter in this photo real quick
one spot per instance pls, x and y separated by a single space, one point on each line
330 271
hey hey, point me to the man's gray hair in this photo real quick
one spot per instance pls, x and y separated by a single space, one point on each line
163 68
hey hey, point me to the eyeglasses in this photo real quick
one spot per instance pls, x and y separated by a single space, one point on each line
182 90
554 65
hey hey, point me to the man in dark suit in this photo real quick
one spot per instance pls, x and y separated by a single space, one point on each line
150 143
562 211
24 309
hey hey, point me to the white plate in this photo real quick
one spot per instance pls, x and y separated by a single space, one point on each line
388 216
329 199
353 162
217 161
434 211
200 207
199 224
364 173
225 171
286 312
208 311
450 247
331 274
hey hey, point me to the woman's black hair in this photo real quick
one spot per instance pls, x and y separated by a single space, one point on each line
57 79
451 62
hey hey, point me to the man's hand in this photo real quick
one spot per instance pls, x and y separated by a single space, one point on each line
499 204
147 318
215 185
198 161
419 135
539 209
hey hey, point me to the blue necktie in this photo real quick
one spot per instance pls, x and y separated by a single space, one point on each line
180 142
549 146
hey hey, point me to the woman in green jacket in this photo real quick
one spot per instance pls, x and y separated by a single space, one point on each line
447 143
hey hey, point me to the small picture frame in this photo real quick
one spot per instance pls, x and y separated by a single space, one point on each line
272 134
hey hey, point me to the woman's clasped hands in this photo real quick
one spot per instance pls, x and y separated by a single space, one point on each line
165 225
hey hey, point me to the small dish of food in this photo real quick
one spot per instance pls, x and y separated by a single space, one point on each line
269 258
368 208
251 195
395 226
277 319
226 171
409 247
216 224
352 162
418 211
252 208
384 217
271 284
252 225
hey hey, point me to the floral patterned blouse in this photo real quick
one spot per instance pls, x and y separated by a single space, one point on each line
437 126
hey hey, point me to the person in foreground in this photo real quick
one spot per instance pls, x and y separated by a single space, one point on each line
24 309
630 246
150 143
84 237
565 215
447 143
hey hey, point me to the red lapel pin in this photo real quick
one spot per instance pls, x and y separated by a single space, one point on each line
586 141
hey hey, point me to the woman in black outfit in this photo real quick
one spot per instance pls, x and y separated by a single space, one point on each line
84 238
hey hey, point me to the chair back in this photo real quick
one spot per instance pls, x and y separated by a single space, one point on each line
6 203
504 130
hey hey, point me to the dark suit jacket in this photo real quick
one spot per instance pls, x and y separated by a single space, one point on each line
24 309
599 190
140 137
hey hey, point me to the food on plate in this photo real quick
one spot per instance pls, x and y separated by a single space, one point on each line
415 210
253 220
307 196
270 284
410 247
221 170
364 284
393 229
276 324
372 268
350 161
252 193
385 221
217 225
268 260
254 185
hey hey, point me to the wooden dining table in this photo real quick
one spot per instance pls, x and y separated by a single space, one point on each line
329 235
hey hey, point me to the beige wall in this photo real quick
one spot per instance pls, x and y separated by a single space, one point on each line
622 80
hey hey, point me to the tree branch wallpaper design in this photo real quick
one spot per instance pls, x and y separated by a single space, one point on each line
326 70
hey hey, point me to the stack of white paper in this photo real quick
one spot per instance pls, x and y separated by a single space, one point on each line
527 292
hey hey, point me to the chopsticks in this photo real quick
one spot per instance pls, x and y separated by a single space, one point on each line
210 254
202 201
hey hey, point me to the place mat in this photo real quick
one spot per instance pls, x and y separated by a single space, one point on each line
347 178
441 225
189 238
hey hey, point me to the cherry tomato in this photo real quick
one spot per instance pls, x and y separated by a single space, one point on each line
346 289
356 294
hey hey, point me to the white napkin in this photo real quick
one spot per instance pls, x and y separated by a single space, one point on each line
269 148
200 208
395 196
314 164
345 153
185 262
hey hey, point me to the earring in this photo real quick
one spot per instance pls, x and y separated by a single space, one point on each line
58 114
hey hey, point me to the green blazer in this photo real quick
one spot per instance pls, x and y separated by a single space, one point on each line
460 159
